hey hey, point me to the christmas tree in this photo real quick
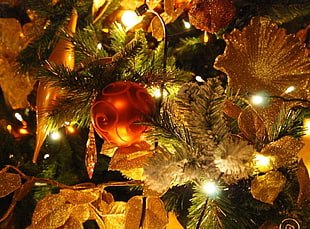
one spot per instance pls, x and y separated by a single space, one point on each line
159 114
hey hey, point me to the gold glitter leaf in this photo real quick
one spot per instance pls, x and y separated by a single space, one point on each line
304 186
262 57
72 223
146 211
267 187
81 212
80 196
115 219
284 151
251 124
55 218
9 182
47 205
131 157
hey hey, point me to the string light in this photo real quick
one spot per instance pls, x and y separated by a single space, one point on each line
70 129
211 189
199 79
257 99
99 46
307 126
18 117
55 135
157 92
46 156
289 89
23 131
130 19
9 128
263 163
187 25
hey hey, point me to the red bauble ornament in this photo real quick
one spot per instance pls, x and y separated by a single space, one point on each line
117 109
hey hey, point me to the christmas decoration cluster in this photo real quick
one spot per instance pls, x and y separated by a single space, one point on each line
196 151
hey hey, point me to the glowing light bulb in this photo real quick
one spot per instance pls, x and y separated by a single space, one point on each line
130 19
257 99
70 129
46 156
18 117
263 163
187 25
211 189
306 126
9 128
23 131
205 37
289 89
55 135
157 92
199 79
99 46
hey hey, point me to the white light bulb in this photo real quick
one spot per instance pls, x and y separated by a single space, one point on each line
46 156
199 79
257 99
55 135
18 117
99 46
210 188
289 89
187 25
130 18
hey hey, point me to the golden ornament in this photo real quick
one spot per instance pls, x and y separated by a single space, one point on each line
63 54
91 152
262 57
9 182
267 187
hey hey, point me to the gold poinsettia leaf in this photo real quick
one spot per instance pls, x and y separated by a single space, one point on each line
284 151
9 182
231 109
108 149
115 218
81 212
134 174
267 187
72 223
80 196
304 186
134 212
262 57
131 157
251 125
156 215
173 222
153 216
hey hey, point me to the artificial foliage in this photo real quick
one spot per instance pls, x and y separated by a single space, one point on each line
185 78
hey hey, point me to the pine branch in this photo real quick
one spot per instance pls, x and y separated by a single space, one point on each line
288 122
